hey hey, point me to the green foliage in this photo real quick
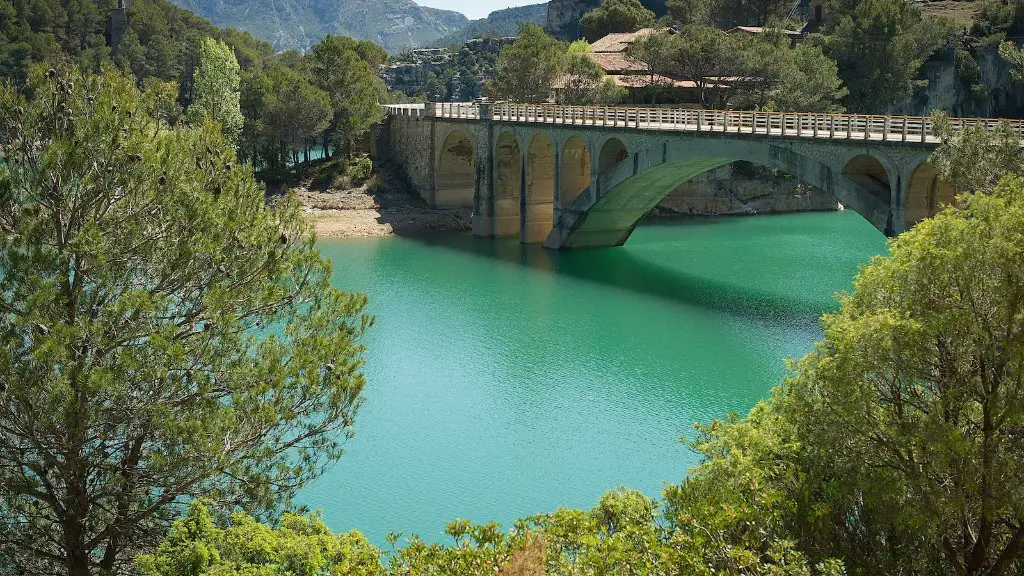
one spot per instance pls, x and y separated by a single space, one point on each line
811 82
727 13
583 82
286 114
1013 55
760 71
996 20
527 70
160 42
879 46
615 16
299 546
975 159
907 414
215 89
970 73
343 69
164 334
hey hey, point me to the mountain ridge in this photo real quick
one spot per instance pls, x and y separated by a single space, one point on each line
298 24
504 22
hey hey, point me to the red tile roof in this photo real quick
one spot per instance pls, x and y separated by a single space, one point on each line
619 41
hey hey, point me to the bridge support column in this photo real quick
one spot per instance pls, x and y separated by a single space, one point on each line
897 206
483 197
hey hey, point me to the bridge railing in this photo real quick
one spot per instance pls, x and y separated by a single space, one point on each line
792 124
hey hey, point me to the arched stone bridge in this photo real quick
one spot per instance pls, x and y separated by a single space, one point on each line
584 176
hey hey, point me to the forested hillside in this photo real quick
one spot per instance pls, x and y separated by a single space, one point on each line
161 40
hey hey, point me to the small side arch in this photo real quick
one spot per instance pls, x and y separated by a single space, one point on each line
574 170
538 212
926 193
870 173
455 177
612 152
508 186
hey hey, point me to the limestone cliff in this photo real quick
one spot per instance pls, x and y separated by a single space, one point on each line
966 84
564 15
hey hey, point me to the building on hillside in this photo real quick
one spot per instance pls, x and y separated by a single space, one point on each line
813 14
644 87
794 35
117 26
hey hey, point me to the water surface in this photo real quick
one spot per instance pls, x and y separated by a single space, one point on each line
505 380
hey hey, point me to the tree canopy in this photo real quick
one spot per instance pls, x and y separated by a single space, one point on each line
527 70
879 47
164 335
760 71
215 89
615 16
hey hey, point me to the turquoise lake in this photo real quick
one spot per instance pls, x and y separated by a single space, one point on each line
505 380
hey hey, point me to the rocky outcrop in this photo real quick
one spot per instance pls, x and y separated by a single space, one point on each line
966 85
743 188
564 15
298 24
498 24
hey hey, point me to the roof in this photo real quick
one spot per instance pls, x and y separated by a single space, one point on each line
619 41
616 62
760 29
642 80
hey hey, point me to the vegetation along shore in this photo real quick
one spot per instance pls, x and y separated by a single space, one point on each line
180 361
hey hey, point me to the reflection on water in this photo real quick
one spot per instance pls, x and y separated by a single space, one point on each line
505 380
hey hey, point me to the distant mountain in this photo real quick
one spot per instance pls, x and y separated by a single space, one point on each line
297 24
497 24
563 20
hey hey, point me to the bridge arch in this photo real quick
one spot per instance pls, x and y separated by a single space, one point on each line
508 186
627 192
538 213
926 194
574 168
612 152
871 173
455 177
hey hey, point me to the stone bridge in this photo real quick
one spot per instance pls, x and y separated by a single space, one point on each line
584 176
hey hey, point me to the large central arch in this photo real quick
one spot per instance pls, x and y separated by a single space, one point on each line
628 191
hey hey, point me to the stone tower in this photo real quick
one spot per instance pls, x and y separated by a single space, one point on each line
117 26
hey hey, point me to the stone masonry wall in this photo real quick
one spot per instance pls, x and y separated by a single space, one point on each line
408 142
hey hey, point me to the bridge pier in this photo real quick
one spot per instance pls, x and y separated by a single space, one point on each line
483 198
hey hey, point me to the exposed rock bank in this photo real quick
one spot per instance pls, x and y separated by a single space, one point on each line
379 207
743 188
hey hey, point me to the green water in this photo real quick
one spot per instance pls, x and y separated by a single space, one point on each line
505 380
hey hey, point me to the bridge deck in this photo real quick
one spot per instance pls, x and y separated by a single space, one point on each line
779 124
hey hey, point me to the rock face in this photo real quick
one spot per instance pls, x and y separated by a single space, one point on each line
564 15
499 23
743 188
297 24
995 95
